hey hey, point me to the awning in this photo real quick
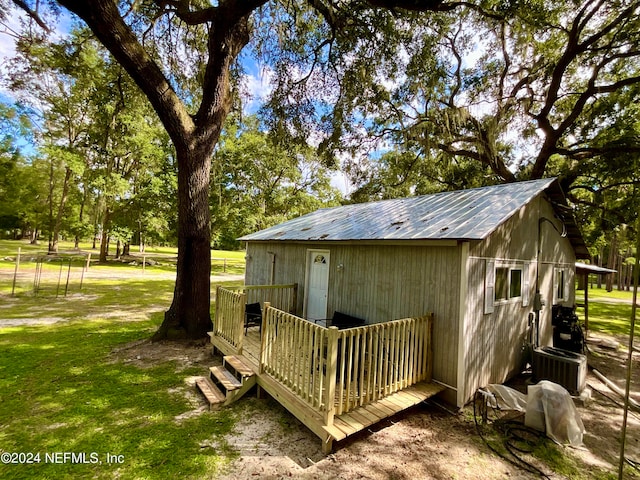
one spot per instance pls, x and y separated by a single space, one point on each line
588 268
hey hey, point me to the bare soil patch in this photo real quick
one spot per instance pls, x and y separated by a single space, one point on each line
426 442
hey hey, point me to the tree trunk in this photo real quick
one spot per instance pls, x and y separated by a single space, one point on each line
189 314
194 136
104 243
53 245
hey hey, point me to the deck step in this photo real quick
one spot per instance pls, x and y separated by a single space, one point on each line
213 395
224 378
239 365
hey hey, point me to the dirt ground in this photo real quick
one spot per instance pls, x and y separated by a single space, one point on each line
429 441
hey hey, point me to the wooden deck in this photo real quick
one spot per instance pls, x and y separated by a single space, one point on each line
335 382
346 424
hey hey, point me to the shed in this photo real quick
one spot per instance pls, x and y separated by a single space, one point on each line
475 258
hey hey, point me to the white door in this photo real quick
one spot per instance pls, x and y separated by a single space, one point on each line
317 284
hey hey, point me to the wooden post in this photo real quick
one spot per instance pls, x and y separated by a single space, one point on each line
586 306
263 337
86 267
330 384
59 278
216 320
144 263
15 272
240 322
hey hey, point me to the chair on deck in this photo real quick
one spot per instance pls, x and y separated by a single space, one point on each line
342 321
252 316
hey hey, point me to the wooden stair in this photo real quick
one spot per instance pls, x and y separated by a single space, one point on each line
227 383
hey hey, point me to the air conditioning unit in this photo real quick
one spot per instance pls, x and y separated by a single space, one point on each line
563 367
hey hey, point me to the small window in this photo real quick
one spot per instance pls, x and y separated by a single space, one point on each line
515 283
508 283
560 285
320 259
502 283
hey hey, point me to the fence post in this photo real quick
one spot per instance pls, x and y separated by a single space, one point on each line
59 278
332 365
15 272
66 287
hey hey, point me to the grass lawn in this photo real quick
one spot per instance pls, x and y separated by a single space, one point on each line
609 312
164 261
65 392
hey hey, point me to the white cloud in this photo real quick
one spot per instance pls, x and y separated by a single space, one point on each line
8 31
256 88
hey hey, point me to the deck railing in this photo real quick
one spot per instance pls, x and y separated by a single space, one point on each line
377 360
283 297
229 321
230 307
335 371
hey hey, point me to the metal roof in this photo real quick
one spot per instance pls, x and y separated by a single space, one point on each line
588 268
460 215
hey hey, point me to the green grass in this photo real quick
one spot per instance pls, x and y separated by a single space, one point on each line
64 391
222 262
609 312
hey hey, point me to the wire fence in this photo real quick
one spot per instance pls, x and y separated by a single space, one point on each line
43 274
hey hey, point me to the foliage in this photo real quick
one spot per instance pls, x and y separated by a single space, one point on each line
13 199
257 183
495 91
107 157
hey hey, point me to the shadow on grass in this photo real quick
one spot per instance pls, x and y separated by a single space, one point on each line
65 394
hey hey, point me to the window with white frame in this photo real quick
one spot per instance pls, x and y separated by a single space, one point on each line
508 282
560 289
505 282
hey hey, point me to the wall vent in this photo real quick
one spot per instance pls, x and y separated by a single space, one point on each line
563 367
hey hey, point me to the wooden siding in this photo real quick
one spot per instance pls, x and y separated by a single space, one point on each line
494 344
378 283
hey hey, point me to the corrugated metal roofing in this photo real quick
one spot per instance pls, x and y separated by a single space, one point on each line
460 215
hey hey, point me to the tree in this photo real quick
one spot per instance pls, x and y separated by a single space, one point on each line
56 84
510 85
13 126
509 91
258 183
194 122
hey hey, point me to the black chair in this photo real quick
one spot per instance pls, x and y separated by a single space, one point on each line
252 316
342 321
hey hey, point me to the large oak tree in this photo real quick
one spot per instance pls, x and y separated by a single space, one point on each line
194 120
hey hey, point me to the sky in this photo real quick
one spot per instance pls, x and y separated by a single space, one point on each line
256 82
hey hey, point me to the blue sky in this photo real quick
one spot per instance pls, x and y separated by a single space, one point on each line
257 80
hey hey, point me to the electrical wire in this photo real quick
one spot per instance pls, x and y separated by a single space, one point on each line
518 438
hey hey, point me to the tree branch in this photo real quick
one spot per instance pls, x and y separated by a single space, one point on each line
33 14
